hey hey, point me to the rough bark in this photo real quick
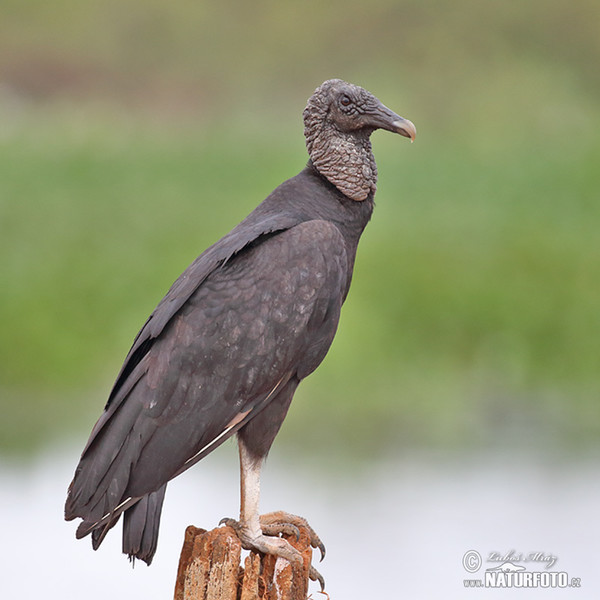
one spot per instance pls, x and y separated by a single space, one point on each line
209 569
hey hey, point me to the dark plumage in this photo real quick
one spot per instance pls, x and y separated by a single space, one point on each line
226 348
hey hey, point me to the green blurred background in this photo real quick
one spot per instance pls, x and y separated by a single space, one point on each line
134 133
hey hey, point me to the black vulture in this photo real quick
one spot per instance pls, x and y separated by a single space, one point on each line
226 348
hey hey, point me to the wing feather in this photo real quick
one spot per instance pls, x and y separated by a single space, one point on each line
267 313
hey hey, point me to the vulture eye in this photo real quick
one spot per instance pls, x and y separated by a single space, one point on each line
345 100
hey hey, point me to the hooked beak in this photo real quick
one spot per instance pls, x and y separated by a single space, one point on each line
383 118
405 127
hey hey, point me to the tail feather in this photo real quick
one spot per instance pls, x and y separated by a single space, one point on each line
141 524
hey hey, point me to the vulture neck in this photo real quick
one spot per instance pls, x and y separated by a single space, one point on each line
345 159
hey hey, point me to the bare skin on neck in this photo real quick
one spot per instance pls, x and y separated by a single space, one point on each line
338 122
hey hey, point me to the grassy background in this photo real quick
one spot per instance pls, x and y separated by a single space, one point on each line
134 134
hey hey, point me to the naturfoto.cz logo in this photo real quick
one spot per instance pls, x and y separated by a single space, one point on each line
508 574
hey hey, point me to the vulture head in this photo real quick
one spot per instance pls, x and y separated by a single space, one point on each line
338 122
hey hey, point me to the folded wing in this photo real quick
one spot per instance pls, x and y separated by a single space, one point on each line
264 316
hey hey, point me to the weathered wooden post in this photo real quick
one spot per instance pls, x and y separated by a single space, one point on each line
209 569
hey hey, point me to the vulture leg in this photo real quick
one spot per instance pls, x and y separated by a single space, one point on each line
260 533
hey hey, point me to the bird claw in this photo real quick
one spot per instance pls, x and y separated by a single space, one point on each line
314 575
284 519
258 541
272 525
229 522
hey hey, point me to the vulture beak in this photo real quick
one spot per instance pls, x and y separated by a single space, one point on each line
383 118
405 127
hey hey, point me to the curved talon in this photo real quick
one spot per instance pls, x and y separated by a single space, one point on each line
321 547
314 575
228 521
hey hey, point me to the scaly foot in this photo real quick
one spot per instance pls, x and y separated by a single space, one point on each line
267 540
283 522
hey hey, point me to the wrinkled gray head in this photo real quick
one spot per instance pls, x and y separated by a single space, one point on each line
338 121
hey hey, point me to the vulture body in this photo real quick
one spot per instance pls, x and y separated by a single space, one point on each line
226 348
